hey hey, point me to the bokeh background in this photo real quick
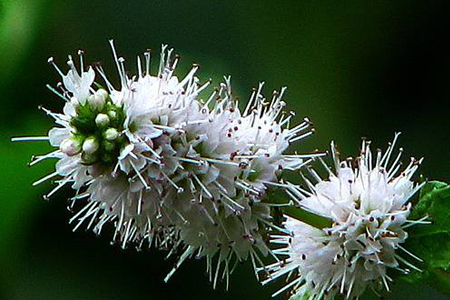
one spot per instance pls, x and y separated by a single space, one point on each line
355 68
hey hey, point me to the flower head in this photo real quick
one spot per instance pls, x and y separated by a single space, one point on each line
120 148
367 201
165 167
240 155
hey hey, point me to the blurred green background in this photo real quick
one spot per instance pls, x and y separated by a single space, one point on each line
355 68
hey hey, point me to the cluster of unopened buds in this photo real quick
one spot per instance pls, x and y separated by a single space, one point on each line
166 168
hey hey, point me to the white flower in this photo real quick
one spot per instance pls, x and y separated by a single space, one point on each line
367 200
165 167
137 217
78 85
235 157
70 146
120 149
98 99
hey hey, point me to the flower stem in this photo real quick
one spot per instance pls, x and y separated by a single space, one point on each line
278 197
307 217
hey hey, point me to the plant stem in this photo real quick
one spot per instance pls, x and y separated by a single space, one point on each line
307 217
296 212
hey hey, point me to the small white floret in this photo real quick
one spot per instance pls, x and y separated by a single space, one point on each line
98 99
102 120
111 134
102 93
74 101
70 147
90 145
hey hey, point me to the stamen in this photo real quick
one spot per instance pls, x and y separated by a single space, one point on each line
178 188
45 178
139 67
204 188
409 253
188 252
138 173
52 62
103 75
54 91
162 60
147 55
80 54
303 136
30 138
408 263
60 185
118 63
391 147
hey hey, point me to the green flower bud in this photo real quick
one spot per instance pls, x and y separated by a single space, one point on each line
111 134
107 158
102 120
108 146
112 115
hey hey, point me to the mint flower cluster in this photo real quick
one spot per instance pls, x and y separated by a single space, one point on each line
167 165
367 201
167 169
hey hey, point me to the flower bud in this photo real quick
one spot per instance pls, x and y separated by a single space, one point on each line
98 99
112 114
108 146
74 101
107 158
70 146
102 93
89 158
102 120
90 145
111 134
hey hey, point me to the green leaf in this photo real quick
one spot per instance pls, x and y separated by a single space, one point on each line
431 242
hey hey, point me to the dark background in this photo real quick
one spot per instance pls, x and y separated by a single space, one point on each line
355 68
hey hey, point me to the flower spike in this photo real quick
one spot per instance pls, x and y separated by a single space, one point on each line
367 199
162 167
